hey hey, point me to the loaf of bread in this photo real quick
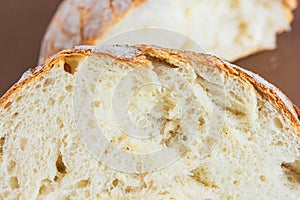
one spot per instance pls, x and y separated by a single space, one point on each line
230 29
144 122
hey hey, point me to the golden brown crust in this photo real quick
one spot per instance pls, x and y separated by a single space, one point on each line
138 56
297 111
290 4
51 62
79 22
60 58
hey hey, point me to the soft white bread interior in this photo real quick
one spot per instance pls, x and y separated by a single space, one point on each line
253 154
230 29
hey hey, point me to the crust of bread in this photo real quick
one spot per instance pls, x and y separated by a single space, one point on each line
58 29
137 55
99 15
290 4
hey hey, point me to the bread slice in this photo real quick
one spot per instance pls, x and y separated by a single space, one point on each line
230 29
217 131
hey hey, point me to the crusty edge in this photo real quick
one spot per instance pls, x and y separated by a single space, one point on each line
50 63
48 41
135 59
290 4
138 56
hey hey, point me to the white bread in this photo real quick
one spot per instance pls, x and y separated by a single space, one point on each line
244 142
230 29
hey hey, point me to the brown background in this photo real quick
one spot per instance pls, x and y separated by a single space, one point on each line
23 23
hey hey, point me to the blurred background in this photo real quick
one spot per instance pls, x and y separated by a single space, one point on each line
23 24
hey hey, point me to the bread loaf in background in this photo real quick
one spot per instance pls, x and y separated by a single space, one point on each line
254 154
230 29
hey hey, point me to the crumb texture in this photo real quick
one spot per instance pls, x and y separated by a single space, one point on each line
254 150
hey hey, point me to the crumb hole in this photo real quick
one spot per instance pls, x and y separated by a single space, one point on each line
37 102
69 88
14 183
7 105
60 122
60 166
68 68
236 182
201 121
6 194
201 176
61 99
48 82
279 143
11 166
82 184
96 104
18 98
23 143
15 114
51 101
278 124
262 178
243 26
56 178
2 140
44 188
292 172
115 182
87 194
71 64
128 189
181 86
184 138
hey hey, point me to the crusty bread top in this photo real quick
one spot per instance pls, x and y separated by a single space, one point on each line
82 22
85 22
291 3
136 55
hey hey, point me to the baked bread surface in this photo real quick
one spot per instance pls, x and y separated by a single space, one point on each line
244 143
230 29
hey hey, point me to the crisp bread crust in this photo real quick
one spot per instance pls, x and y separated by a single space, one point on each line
79 22
290 4
137 56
